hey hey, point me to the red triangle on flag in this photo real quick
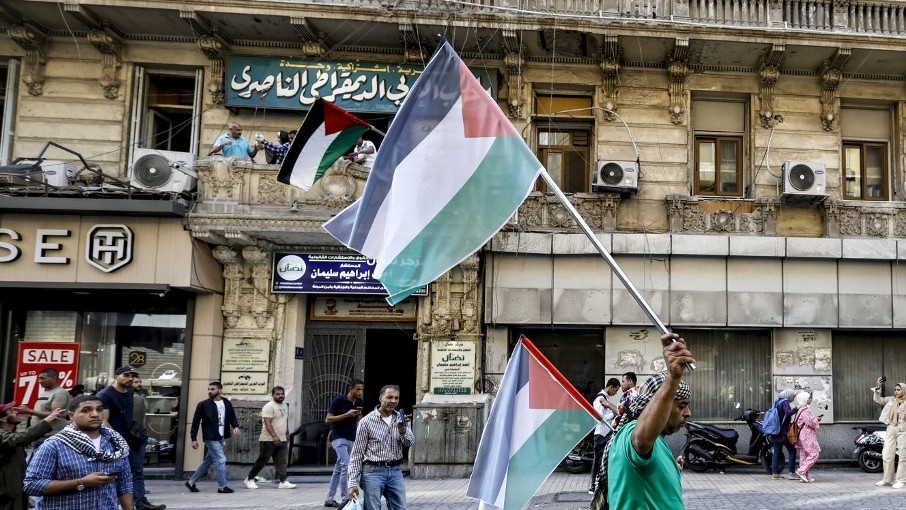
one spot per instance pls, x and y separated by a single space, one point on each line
337 119
545 391
481 115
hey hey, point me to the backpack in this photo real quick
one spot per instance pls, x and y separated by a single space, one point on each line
771 424
792 435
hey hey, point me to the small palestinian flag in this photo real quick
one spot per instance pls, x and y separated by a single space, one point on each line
327 133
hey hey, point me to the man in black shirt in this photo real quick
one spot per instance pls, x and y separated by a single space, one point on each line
118 406
343 417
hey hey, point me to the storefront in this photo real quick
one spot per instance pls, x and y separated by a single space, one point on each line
87 294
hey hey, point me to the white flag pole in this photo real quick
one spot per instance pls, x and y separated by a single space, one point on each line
552 186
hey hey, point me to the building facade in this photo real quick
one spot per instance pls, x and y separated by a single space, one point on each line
743 162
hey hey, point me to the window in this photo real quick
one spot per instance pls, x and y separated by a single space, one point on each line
718 165
866 135
859 359
719 129
166 110
8 80
731 367
577 354
563 143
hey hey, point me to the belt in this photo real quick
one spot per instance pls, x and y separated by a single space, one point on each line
384 463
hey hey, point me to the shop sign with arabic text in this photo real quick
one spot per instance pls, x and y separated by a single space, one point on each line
264 82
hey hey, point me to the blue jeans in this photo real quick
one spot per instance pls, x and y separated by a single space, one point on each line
380 481
137 466
776 468
213 455
343 447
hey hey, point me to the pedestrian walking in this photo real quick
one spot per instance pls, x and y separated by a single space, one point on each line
807 443
343 417
894 416
12 453
218 422
273 442
641 472
603 429
119 404
779 441
374 466
84 466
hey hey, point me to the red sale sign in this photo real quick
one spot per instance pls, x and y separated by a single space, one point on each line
37 356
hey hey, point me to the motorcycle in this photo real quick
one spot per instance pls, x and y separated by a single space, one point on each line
869 443
710 446
580 459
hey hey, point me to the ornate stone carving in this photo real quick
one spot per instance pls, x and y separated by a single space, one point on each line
233 277
471 296
830 74
270 191
677 72
215 49
610 70
110 47
688 214
32 40
314 43
768 74
514 63
220 178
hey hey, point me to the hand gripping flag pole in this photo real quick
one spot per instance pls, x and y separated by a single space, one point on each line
552 186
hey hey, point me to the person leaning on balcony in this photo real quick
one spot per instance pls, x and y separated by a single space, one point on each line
233 145
895 441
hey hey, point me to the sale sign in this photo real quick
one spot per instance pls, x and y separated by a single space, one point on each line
37 356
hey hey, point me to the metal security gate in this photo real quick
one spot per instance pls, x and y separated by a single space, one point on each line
333 356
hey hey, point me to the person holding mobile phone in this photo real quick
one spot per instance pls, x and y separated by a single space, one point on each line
343 417
374 466
894 416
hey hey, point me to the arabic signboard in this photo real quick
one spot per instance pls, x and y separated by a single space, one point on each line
244 383
246 355
354 308
326 273
36 356
264 82
452 367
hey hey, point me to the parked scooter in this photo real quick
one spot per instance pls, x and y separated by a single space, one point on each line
869 443
579 460
709 446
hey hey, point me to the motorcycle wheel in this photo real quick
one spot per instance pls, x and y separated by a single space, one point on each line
695 461
767 459
575 466
868 464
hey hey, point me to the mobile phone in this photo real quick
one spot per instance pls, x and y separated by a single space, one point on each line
112 473
883 379
402 415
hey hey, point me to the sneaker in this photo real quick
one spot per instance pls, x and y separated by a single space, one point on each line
330 503
591 490
250 484
286 485
802 477
776 476
899 485
225 490
191 487
882 483
258 479
792 476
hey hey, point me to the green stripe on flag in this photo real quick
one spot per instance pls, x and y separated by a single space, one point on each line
339 147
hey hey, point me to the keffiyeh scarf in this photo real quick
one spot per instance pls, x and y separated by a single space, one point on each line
81 443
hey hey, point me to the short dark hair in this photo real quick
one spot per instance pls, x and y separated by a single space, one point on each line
631 376
613 382
275 389
389 387
52 372
216 384
353 383
76 402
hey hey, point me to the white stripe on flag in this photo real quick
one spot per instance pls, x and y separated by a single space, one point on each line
306 165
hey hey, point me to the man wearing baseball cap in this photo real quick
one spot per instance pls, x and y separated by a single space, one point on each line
12 453
118 415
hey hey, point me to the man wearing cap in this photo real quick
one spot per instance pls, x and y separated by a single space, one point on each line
12 453
118 415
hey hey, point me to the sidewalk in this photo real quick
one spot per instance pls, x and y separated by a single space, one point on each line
835 488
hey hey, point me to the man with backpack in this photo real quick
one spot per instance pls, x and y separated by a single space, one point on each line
781 413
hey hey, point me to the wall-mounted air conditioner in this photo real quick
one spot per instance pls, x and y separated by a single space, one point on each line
31 172
164 171
803 181
619 176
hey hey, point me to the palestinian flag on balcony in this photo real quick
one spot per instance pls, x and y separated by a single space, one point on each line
327 133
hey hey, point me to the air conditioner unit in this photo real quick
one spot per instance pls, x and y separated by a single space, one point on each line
619 176
164 171
803 181
30 172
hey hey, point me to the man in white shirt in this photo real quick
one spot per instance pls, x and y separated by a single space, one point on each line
603 430
363 153
273 441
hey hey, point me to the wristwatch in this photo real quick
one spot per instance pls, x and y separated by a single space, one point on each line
80 486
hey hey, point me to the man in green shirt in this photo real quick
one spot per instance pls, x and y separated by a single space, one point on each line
53 397
641 472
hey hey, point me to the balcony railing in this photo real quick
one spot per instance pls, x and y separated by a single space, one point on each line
886 18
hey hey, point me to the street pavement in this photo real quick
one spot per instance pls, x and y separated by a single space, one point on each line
846 488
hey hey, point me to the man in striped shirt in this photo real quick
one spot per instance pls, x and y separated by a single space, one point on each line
374 464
